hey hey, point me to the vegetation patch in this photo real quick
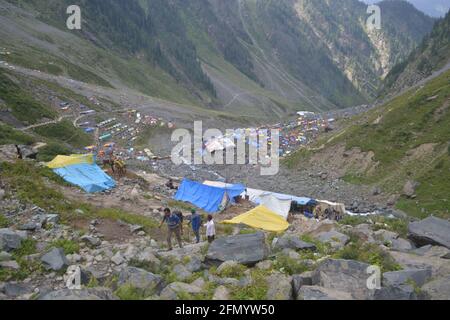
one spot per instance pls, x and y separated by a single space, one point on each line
69 246
257 290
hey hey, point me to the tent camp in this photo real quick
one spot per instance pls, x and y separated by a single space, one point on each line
261 218
82 171
209 198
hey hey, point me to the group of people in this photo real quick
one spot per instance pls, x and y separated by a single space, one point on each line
174 221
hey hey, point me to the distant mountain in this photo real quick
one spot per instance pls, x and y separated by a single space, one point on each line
430 56
433 8
262 59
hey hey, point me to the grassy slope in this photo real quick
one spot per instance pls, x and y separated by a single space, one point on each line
407 122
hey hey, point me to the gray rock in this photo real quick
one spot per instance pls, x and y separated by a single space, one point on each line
9 265
385 235
11 240
224 281
279 287
401 245
141 279
118 259
226 265
15 290
29 226
182 272
199 282
97 272
409 189
309 278
148 257
91 240
172 291
400 292
438 289
264 265
52 218
195 264
396 278
321 293
293 242
79 295
221 294
334 238
55 260
5 256
345 275
432 231
247 249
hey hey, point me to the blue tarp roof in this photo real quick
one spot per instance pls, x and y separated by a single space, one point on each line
89 177
206 197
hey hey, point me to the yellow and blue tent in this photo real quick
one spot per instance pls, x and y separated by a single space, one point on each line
82 171
261 218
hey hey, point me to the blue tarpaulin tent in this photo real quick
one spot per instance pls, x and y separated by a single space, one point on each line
82 171
210 199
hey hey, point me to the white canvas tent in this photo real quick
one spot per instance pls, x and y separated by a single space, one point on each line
276 204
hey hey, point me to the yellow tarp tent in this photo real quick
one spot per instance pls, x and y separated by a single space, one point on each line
261 218
64 161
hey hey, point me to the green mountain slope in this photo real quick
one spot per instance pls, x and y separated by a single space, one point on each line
432 55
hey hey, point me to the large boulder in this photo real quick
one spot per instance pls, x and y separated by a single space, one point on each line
247 249
175 289
345 275
321 293
292 242
84 294
401 245
396 278
432 231
11 240
279 287
398 292
55 260
141 279
409 189
438 289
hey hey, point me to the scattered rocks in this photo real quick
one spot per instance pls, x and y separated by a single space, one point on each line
15 290
396 278
118 259
385 235
246 249
5 256
279 287
55 260
401 245
221 293
336 239
293 242
182 272
172 291
438 289
79 295
264 265
91 241
321 293
141 279
409 190
11 240
9 265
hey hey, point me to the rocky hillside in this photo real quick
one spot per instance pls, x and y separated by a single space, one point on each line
264 59
432 55
114 242
402 149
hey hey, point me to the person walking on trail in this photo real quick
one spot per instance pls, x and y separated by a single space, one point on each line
179 214
210 229
173 227
195 220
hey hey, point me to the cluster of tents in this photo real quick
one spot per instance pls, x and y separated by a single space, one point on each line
272 209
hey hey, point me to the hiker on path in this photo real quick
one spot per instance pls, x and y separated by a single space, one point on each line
210 229
179 214
195 220
173 226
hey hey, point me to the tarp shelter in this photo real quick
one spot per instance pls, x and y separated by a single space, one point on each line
255 197
277 204
261 218
82 171
210 199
